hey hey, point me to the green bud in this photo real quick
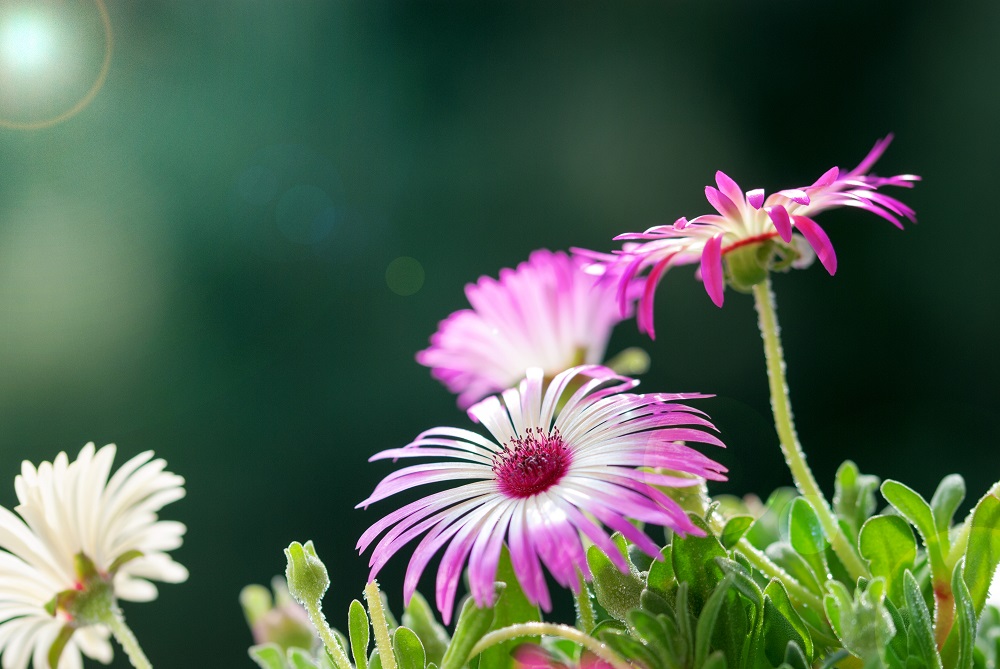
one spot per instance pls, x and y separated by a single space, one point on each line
748 265
306 574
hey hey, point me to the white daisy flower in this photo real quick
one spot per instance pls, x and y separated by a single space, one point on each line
82 539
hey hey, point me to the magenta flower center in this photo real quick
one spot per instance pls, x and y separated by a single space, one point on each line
531 464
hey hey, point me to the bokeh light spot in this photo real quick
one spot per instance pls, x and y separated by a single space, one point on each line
304 214
404 276
27 42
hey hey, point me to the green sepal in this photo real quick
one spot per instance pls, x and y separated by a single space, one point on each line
359 631
921 630
982 554
59 645
408 650
746 266
122 559
887 542
267 656
694 563
618 593
473 623
306 574
419 617
255 600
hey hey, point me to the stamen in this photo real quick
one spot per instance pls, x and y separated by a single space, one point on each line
531 464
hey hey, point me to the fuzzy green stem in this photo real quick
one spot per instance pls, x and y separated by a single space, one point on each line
551 629
318 620
379 626
785 425
796 591
585 619
124 636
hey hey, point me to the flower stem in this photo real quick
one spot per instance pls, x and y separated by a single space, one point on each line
379 626
537 629
794 457
796 591
326 635
124 636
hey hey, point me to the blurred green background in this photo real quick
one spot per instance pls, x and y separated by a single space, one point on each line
203 261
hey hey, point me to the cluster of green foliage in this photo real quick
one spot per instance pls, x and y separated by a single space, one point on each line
761 590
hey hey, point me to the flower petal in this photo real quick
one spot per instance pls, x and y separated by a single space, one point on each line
711 269
819 240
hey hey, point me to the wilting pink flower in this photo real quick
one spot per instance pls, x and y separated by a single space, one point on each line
541 481
744 219
547 313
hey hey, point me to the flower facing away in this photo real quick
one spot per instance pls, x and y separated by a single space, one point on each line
755 233
548 313
82 540
542 480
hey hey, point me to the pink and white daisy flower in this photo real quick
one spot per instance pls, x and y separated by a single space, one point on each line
72 515
548 313
748 220
543 479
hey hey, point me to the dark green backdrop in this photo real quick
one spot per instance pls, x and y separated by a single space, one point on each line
196 263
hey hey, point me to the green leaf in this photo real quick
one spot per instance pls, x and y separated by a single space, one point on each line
915 509
982 555
618 593
734 530
694 563
360 633
767 528
805 532
407 648
862 622
921 626
946 500
511 607
298 658
654 603
795 658
785 557
716 660
959 649
775 594
268 656
420 618
888 543
630 648
706 621
660 578
651 632
743 582
473 623
854 496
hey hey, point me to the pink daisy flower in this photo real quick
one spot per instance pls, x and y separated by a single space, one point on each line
542 480
547 313
746 220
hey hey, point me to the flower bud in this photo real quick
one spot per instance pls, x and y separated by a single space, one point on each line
306 574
